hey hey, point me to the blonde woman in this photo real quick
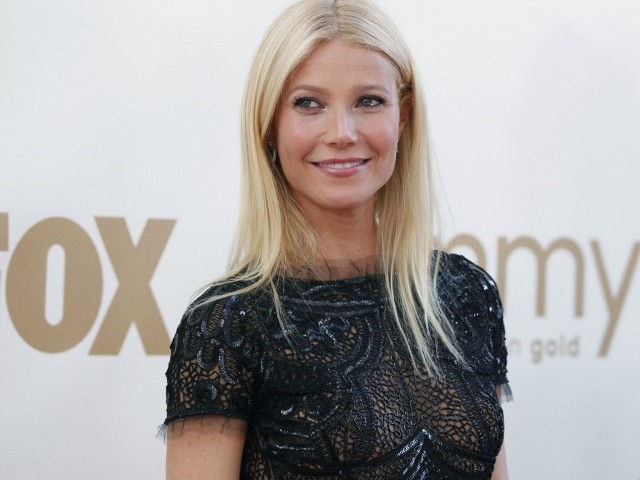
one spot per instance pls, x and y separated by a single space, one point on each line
340 344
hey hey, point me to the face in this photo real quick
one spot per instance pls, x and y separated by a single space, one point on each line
337 128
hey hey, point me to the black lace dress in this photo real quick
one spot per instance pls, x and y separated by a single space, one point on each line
346 401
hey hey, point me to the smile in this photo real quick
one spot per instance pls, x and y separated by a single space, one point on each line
342 165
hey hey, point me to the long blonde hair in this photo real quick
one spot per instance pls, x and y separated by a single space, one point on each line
272 232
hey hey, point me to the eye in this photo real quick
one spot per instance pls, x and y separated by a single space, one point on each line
306 103
371 101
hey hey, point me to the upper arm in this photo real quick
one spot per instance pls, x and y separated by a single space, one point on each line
210 390
500 467
207 447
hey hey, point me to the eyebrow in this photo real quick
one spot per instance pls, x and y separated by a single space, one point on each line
321 90
310 88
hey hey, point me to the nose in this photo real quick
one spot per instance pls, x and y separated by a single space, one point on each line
341 128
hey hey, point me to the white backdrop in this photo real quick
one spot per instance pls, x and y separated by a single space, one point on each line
121 117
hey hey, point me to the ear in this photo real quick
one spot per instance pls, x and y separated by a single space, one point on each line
406 109
271 139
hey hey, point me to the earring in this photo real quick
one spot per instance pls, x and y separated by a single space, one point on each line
273 153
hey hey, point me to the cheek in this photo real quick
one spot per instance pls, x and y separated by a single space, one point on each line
381 130
293 137
384 138
293 144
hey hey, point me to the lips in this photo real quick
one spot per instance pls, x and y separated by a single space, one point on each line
342 167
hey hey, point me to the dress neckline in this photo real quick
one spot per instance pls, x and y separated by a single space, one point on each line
335 270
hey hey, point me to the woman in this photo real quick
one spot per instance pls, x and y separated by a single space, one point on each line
339 345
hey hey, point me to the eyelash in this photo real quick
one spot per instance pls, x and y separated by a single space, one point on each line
304 102
300 102
379 101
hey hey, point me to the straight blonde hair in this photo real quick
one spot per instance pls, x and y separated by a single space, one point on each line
272 233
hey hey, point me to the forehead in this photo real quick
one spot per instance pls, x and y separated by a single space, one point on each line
337 60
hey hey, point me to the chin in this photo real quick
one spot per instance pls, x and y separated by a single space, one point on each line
347 203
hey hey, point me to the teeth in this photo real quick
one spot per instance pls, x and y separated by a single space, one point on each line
341 165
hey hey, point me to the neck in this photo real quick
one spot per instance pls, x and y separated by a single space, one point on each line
348 239
345 234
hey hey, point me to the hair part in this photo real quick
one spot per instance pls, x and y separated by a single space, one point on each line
273 234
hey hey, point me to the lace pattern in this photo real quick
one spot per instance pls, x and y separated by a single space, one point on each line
338 396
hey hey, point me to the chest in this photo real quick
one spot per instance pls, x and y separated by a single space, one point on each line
339 390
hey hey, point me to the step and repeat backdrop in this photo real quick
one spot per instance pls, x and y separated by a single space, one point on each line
119 182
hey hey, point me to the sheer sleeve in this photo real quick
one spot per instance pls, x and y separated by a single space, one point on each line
474 303
498 339
212 364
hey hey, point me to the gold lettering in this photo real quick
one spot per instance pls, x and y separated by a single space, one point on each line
505 249
536 350
514 347
26 280
614 302
133 302
4 231
467 240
